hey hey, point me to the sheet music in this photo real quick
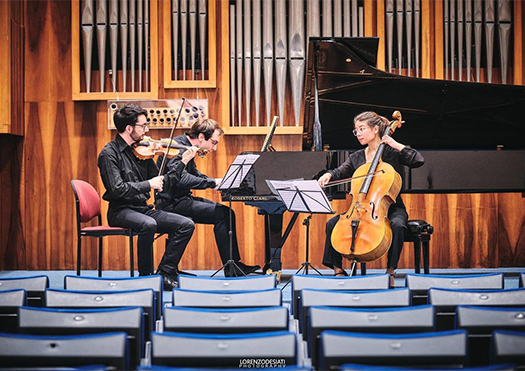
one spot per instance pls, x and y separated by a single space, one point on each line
237 171
301 195
274 185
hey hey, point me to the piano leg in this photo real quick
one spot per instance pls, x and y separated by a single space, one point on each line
273 226
274 241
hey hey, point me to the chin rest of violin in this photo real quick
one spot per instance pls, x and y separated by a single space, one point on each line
418 232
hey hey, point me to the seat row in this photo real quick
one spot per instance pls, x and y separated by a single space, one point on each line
193 302
276 349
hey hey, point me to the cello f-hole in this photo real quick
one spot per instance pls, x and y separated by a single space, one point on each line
374 216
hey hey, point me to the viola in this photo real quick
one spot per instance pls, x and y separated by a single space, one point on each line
364 233
148 148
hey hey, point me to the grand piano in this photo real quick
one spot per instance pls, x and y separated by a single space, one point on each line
464 130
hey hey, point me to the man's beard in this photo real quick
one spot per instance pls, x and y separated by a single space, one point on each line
136 137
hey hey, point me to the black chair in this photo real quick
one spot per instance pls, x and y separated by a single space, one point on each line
78 283
446 300
145 299
226 321
201 350
386 320
350 299
10 301
217 299
303 281
109 349
48 321
508 346
448 348
480 322
419 283
35 287
418 232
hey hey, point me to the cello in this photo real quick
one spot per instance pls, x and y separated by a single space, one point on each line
364 233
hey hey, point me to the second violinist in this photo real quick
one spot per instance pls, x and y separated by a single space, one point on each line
369 128
204 134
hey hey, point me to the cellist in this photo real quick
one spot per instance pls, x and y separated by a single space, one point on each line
369 128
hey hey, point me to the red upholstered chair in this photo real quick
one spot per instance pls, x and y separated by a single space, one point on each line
88 207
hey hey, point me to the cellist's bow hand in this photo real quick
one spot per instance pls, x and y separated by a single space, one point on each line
189 154
388 140
324 179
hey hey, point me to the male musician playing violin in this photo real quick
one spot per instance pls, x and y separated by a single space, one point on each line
177 198
369 128
128 181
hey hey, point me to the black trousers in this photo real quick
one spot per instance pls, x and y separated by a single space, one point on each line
203 211
398 220
146 222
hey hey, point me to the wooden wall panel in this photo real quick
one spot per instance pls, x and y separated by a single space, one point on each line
63 138
35 203
12 247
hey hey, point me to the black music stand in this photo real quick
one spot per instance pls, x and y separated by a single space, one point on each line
303 196
236 173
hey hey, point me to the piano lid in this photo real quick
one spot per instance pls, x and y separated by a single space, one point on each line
439 114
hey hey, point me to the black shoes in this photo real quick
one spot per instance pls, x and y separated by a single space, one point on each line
169 280
243 270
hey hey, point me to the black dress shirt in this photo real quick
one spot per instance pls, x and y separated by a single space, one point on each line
125 176
191 178
406 157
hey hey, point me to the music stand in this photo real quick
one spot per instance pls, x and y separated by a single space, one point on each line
302 196
236 173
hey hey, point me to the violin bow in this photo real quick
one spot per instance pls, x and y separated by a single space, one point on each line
165 157
348 180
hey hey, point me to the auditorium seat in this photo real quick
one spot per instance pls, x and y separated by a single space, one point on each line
48 321
145 299
419 284
227 284
301 281
508 346
522 280
480 322
78 283
35 287
204 320
448 348
205 350
10 301
446 300
358 367
386 320
235 299
109 349
352 299
254 365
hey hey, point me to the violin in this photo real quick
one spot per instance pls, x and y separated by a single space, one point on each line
364 233
148 148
